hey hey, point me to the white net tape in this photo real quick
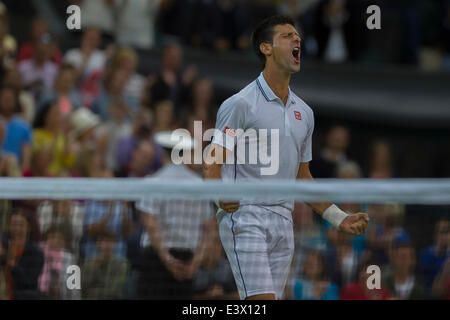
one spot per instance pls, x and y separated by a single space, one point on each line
407 191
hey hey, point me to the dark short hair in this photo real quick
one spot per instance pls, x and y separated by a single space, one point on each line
263 33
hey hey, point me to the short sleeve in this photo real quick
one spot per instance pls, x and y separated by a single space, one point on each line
306 151
230 118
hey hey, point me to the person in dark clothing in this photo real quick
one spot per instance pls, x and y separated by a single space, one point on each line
22 259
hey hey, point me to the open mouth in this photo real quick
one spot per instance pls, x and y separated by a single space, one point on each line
296 54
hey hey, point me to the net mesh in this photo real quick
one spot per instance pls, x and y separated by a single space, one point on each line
159 239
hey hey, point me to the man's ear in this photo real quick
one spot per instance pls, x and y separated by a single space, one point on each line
266 48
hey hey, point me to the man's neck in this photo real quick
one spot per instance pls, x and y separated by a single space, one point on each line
278 81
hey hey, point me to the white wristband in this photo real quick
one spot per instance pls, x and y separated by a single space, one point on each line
334 215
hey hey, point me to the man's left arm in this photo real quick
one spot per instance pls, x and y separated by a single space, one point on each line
354 224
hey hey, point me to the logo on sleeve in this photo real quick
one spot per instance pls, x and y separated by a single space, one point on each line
229 132
298 115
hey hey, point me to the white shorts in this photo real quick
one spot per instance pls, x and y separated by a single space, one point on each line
259 244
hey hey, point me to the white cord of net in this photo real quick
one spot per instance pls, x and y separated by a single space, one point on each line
407 191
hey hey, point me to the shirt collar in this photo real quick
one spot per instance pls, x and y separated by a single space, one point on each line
267 92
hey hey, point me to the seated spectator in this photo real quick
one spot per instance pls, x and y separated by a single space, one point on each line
89 62
65 93
314 283
164 114
127 59
25 98
24 258
39 27
17 140
38 73
8 162
214 278
104 275
171 83
113 95
441 283
90 164
433 257
333 153
343 260
359 290
114 215
53 278
202 105
142 161
402 281
141 131
65 214
84 124
52 134
381 161
387 225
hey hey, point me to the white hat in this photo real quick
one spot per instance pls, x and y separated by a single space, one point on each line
178 139
83 119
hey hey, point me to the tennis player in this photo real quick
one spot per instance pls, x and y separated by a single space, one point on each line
258 237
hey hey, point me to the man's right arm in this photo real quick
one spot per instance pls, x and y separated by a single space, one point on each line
212 169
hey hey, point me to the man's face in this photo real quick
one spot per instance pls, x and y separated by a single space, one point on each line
285 50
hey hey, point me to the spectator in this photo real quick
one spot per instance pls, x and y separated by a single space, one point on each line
359 290
84 124
136 23
214 278
381 161
52 134
441 284
25 98
314 283
39 27
18 133
433 257
333 153
53 279
98 215
99 14
177 246
8 162
171 83
38 73
65 93
224 24
141 131
126 59
67 215
104 276
402 281
24 259
114 96
164 112
343 260
202 106
141 161
89 62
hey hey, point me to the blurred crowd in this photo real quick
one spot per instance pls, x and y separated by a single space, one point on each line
88 112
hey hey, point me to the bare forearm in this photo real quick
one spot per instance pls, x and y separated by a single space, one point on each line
318 207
